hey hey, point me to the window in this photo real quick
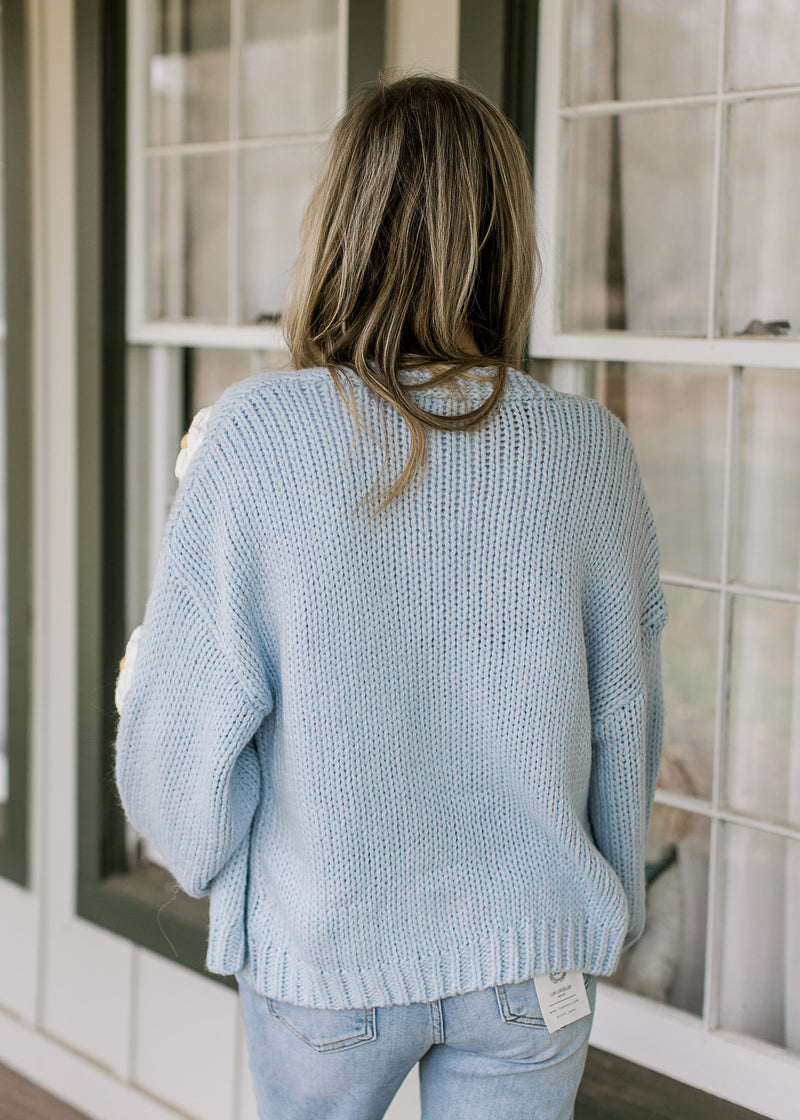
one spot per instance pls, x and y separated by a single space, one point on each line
15 446
231 105
226 108
665 160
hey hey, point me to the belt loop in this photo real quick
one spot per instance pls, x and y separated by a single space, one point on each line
437 1021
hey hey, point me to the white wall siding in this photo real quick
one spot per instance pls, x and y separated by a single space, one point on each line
184 1038
19 950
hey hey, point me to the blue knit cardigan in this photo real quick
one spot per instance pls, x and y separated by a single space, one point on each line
412 756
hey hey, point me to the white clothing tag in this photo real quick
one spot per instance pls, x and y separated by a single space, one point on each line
562 998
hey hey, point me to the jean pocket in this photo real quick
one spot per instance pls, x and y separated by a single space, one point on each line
323 1028
519 1003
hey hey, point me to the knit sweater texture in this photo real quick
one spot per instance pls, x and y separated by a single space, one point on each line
412 756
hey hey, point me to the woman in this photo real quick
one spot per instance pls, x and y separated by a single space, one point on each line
406 734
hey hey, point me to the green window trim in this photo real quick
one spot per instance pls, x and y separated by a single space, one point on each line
14 845
138 904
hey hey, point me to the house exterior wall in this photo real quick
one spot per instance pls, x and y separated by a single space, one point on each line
107 1025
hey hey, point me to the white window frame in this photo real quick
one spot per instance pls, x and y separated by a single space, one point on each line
195 333
625 346
692 1049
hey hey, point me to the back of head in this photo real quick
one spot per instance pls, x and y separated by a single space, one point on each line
417 248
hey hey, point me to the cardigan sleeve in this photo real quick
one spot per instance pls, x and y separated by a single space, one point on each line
186 766
624 614
626 755
187 769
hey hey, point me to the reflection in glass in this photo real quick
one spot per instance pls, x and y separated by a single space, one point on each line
188 63
689 662
189 379
766 38
676 417
668 962
276 183
769 473
4 783
2 195
188 237
638 221
764 238
630 50
289 66
206 373
760 965
763 771
211 372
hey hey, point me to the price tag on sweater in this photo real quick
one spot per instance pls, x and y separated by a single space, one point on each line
562 998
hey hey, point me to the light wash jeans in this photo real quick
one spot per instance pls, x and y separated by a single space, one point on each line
484 1055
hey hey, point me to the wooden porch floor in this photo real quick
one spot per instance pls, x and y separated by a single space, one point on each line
612 1090
22 1100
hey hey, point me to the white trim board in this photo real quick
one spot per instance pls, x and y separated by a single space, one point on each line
73 1078
738 1069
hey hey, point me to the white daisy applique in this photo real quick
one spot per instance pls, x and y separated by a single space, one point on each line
126 669
189 445
191 441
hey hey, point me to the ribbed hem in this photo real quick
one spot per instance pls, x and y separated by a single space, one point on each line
505 957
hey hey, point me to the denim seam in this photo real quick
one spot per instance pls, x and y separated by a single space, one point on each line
508 1015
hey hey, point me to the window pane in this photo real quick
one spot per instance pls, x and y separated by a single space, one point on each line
769 501
677 416
630 50
760 973
3 603
763 775
159 409
276 183
638 221
289 66
766 43
188 237
764 237
668 961
689 663
169 385
188 64
212 371
3 492
2 193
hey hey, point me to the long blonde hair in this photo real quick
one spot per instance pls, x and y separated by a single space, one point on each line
417 251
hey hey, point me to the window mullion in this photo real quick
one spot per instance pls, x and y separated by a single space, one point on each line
716 863
164 428
548 174
625 346
717 209
343 60
682 101
234 71
137 164
221 147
